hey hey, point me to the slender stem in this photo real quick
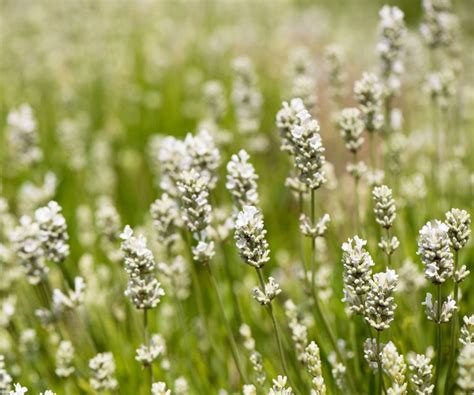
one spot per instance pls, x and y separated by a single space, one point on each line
438 339
372 150
356 193
313 244
146 336
379 363
275 327
233 345
319 312
389 256
454 325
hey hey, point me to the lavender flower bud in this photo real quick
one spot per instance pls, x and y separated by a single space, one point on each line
467 330
352 128
380 305
368 92
459 227
242 180
465 379
313 361
421 374
265 296
64 359
433 248
250 236
103 369
433 311
286 119
164 213
385 210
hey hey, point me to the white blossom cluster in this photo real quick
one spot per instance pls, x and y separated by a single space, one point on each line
250 237
299 331
160 388
280 387
108 224
64 359
32 195
242 180
196 212
351 126
318 230
395 367
333 59
385 210
165 216
70 300
313 361
102 368
286 119
421 374
380 304
441 86
41 238
357 265
249 389
439 314
143 288
392 30
467 330
5 378
434 250
368 92
23 136
301 77
146 354
266 295
459 227
308 151
440 26
215 100
465 361
246 97
255 357
52 232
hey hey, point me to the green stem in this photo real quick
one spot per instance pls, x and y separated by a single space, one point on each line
275 327
230 278
389 256
372 150
379 363
146 336
454 324
233 345
356 193
438 340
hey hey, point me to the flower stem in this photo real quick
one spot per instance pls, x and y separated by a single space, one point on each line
233 345
379 363
454 325
275 327
438 340
146 337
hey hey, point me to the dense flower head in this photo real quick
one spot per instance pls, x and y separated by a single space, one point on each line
165 215
465 379
71 299
250 237
169 159
351 126
246 97
385 210
29 250
440 26
143 288
64 359
421 373
146 354
368 92
433 248
380 304
308 150
279 387
459 227
357 264
441 86
102 368
23 137
195 207
53 232
467 330
160 388
390 47
313 362
394 366
286 119
214 99
266 295
333 57
202 155
439 314
242 180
